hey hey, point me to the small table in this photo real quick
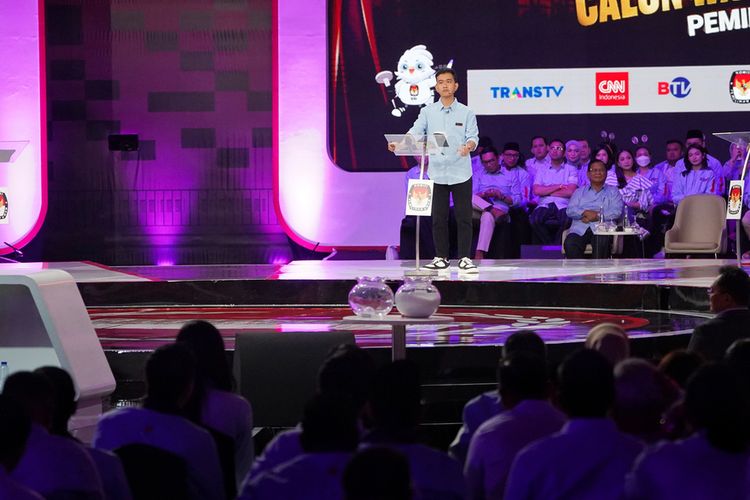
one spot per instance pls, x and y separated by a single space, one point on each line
638 231
398 328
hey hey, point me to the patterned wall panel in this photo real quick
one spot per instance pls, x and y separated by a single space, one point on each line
193 79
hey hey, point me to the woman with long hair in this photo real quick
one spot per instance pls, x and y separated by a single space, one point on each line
697 178
213 404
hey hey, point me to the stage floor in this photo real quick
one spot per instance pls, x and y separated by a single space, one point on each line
663 272
140 308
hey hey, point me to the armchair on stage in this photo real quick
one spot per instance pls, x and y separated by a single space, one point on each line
699 226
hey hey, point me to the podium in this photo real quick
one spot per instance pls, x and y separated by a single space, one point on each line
418 146
741 139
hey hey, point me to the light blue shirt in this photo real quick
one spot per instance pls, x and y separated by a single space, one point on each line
608 199
587 459
701 181
502 180
459 124
716 167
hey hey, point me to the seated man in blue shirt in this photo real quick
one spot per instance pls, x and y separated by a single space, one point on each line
496 189
584 209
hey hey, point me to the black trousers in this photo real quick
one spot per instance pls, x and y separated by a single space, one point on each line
548 223
575 245
440 214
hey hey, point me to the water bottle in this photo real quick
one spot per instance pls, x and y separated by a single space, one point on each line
3 373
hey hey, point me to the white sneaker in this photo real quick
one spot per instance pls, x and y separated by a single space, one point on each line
437 264
465 265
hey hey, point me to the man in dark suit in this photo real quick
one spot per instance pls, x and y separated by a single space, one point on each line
729 297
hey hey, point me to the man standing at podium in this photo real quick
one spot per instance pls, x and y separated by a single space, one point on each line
450 170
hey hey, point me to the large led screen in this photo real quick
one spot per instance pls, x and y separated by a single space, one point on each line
560 68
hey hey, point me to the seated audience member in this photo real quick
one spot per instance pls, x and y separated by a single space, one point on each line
170 378
520 228
674 150
589 457
637 195
488 404
697 179
584 155
377 474
712 463
524 388
15 428
395 407
346 374
67 468
728 298
213 404
634 187
539 156
662 210
642 395
587 205
408 232
606 153
732 168
496 189
573 153
738 359
697 138
609 340
554 185
679 365
108 465
329 438
476 155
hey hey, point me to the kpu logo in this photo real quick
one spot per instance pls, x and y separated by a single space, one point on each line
739 87
612 89
679 87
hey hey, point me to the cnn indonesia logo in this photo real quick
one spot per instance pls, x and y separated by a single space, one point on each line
679 87
612 89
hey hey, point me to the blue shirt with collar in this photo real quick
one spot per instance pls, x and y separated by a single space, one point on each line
608 199
459 124
504 181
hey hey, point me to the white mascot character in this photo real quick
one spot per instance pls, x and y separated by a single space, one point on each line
415 79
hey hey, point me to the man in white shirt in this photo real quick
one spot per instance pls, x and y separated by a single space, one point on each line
589 457
554 185
523 385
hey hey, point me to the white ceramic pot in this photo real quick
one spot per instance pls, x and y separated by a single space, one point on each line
417 297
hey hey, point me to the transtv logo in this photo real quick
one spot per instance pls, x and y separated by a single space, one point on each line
679 87
612 89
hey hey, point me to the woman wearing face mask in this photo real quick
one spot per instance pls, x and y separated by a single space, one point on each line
697 178
661 215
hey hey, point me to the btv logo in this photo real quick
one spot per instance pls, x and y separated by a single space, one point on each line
612 89
679 87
